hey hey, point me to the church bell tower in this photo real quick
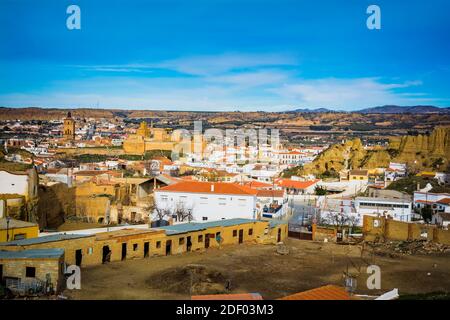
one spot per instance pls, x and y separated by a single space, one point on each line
69 127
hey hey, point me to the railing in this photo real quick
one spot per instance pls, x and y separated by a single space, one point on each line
26 286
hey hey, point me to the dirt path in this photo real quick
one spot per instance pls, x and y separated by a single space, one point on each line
258 268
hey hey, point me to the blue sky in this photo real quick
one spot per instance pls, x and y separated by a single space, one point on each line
224 55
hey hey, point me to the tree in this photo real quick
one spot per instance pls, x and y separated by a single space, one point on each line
160 213
438 163
320 191
426 213
183 213
342 221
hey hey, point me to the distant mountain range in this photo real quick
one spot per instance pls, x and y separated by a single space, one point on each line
383 109
318 110
405 109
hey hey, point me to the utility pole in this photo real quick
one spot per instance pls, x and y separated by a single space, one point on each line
8 218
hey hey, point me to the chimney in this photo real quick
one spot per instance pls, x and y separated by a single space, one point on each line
212 187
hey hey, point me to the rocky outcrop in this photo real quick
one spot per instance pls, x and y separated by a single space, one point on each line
419 152
56 203
337 157
423 150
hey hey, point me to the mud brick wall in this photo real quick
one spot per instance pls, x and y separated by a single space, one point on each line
322 233
387 229
92 247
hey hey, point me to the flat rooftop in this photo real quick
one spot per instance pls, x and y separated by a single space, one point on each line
14 224
390 200
46 239
32 254
125 233
197 226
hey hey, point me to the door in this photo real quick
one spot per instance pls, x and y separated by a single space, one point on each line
241 236
106 255
279 235
168 247
1 273
207 240
188 243
124 251
146 249
78 257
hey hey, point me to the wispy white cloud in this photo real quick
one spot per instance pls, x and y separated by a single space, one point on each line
253 78
348 93
203 65
218 64
227 81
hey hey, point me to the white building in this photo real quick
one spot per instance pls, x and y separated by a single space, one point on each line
208 200
397 209
271 203
289 157
441 219
423 199
15 186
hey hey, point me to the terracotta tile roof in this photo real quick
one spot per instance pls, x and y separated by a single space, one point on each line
444 201
235 296
208 187
424 201
257 184
288 183
329 292
270 193
163 160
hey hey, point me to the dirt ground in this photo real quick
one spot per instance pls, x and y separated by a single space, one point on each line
258 268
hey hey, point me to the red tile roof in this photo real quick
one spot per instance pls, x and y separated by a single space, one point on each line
208 187
257 184
444 201
424 201
294 184
329 292
270 193
235 296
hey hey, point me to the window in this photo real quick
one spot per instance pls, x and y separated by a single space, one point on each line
181 241
135 246
204 218
200 238
158 244
20 236
90 250
30 272
250 232
234 233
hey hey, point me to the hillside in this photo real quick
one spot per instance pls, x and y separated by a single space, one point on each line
431 152
303 119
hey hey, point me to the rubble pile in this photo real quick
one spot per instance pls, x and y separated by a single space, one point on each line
282 248
409 247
